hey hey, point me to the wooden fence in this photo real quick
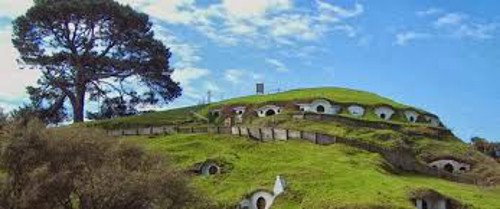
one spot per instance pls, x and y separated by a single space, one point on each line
401 159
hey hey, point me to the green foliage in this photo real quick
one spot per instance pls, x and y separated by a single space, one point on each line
93 48
335 176
83 168
112 108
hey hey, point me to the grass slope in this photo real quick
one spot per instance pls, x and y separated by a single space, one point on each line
334 176
183 115
336 94
169 117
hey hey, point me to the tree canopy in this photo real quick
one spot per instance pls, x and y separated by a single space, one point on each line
92 50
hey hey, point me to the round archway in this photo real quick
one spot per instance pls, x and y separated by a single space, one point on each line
270 112
448 167
383 116
320 109
261 203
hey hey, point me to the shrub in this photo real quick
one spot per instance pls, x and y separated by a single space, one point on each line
83 168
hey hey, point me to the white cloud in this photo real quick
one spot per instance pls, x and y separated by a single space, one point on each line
14 80
234 75
429 12
335 12
405 37
450 25
450 19
245 8
238 76
463 26
257 22
14 8
185 55
186 76
477 31
278 65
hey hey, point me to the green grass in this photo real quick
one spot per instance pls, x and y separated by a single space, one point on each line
318 176
336 94
170 117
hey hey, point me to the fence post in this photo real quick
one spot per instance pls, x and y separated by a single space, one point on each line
260 135
239 130
316 138
287 134
192 129
151 130
272 133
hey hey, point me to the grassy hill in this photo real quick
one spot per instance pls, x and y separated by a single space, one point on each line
177 116
184 116
336 94
335 176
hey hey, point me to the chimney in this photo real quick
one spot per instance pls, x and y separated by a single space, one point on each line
260 88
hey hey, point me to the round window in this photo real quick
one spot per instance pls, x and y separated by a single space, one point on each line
212 170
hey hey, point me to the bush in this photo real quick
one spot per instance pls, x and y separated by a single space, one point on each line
83 168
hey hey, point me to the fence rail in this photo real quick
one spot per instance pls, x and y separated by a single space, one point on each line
402 159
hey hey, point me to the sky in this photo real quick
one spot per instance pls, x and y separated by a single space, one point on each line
439 55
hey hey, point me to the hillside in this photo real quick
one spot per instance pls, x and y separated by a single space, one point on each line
364 119
183 116
335 176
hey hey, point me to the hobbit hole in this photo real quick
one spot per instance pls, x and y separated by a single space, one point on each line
411 116
384 113
323 106
270 112
239 110
430 199
451 166
356 110
208 169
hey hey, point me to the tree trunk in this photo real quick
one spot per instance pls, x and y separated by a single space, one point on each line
78 106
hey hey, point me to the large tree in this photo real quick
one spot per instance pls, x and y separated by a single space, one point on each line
92 49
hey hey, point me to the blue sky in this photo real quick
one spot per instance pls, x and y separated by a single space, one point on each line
439 55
